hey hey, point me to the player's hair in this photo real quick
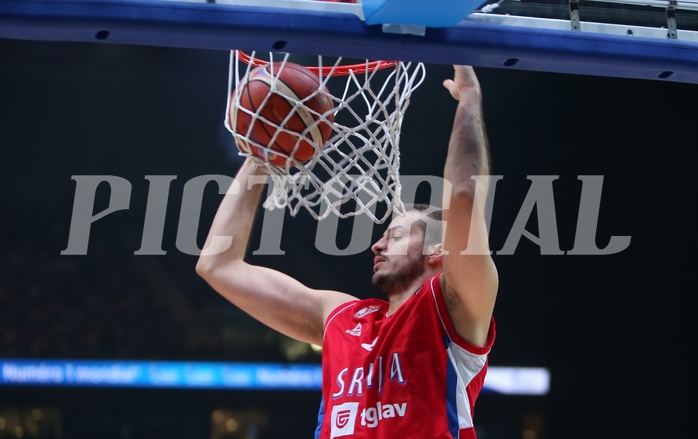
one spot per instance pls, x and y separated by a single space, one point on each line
432 231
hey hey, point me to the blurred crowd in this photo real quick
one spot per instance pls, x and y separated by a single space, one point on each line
112 304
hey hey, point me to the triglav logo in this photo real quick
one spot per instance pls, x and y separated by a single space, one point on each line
344 416
344 419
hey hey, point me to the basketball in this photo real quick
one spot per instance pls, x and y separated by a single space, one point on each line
281 111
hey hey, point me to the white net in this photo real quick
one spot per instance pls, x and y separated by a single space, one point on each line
356 170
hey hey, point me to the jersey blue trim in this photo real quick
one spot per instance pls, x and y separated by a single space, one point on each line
451 396
320 418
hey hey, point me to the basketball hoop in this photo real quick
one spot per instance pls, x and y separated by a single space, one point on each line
334 70
357 169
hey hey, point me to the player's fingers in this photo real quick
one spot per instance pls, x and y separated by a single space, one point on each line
451 86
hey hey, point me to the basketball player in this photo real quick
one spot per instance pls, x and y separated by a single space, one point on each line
410 366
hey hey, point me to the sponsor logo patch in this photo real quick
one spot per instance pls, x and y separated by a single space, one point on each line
343 419
366 311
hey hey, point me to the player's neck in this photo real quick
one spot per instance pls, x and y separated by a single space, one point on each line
396 299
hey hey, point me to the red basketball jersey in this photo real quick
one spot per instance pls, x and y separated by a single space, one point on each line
406 375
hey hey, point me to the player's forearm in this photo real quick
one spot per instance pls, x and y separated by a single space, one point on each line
230 231
468 158
468 153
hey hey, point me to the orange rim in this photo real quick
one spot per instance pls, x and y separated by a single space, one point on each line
327 70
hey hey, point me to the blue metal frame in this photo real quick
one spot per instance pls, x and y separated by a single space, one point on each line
213 26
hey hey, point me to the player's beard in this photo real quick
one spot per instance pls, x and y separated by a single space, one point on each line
389 282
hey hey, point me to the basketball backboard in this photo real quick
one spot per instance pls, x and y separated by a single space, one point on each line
643 39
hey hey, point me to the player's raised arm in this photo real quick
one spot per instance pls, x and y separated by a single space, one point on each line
469 275
273 298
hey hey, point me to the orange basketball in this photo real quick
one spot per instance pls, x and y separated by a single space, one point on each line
281 124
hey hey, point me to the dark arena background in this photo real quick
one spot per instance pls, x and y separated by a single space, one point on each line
614 331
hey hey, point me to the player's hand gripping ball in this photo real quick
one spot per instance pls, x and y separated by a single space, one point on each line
280 125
